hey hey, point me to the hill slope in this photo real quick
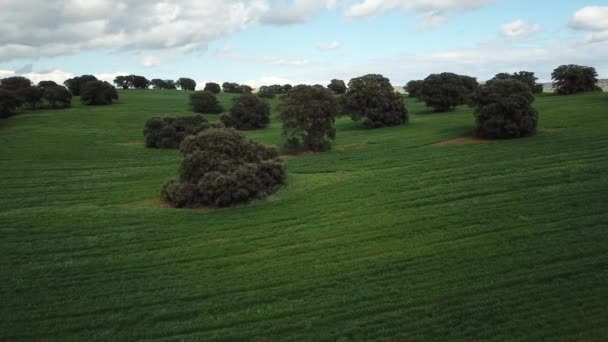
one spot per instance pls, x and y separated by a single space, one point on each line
388 235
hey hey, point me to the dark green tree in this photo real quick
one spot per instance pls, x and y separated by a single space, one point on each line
443 92
231 88
76 84
98 93
337 86
503 110
31 95
373 99
15 83
8 103
526 77
213 87
309 114
205 102
248 112
574 79
222 168
414 88
58 95
169 132
186 84
46 84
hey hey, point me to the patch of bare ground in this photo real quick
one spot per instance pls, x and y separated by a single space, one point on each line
462 140
550 130
159 203
296 155
132 143
350 147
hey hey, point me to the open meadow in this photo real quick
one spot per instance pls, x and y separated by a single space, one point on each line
403 233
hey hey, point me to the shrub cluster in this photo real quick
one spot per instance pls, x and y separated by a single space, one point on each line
269 92
205 102
18 91
373 99
573 79
414 88
309 114
75 85
98 93
235 88
186 84
443 92
158 83
526 77
337 86
503 110
132 82
213 87
169 132
222 168
248 112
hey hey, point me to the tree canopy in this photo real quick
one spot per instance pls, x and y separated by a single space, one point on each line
573 79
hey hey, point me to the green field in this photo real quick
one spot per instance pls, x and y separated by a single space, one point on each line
386 237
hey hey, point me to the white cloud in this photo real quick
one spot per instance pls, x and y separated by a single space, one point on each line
268 80
329 46
109 77
298 11
519 29
150 61
594 20
431 13
40 28
294 62
591 18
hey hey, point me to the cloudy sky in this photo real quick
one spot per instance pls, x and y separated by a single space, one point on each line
298 41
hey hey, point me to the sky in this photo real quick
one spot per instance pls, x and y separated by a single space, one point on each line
261 42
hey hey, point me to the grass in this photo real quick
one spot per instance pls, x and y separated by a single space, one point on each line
386 237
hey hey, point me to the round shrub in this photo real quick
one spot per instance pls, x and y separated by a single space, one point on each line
248 112
169 132
205 102
31 95
222 168
309 114
503 110
98 93
213 87
337 86
8 103
413 88
574 79
373 99
443 92
58 95
15 83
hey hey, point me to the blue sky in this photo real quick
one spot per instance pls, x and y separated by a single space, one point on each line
298 41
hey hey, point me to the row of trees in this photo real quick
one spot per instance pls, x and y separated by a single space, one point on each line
18 91
140 82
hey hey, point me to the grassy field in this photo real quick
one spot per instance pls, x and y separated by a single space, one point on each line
386 237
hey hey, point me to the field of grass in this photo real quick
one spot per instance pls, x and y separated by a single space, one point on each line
387 236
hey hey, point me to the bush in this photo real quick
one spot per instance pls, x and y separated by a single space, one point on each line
213 87
503 110
337 86
309 114
574 79
248 112
373 98
245 89
98 93
443 92
231 88
31 95
186 84
222 168
413 88
169 132
58 95
526 77
47 84
75 85
205 102
265 92
157 83
8 103
15 83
